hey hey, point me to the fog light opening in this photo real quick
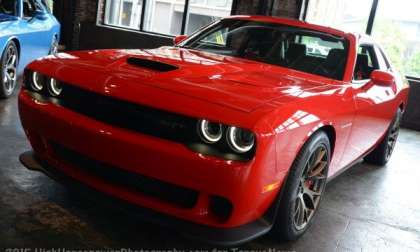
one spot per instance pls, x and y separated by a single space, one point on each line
221 208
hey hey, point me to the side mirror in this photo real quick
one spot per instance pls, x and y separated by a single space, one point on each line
178 39
40 15
382 78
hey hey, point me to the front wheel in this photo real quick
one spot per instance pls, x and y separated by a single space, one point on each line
8 65
383 152
303 189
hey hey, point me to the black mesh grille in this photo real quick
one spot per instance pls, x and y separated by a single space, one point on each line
128 115
176 195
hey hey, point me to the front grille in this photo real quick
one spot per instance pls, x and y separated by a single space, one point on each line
176 195
128 115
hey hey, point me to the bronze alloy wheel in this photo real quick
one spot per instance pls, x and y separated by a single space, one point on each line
301 194
311 186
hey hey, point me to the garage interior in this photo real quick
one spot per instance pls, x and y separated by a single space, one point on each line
365 208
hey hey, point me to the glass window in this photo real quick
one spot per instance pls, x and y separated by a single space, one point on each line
29 7
217 37
317 47
275 44
348 15
366 62
383 64
123 13
396 28
8 7
204 12
164 16
49 4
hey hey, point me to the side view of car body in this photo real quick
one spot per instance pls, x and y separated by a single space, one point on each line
233 132
27 31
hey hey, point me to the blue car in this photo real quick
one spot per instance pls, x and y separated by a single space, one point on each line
28 31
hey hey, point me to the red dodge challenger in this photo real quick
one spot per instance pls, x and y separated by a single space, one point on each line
229 134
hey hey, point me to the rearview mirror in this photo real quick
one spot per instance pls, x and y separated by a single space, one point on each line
178 39
382 78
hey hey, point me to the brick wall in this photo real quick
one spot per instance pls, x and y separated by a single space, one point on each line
279 8
85 12
286 8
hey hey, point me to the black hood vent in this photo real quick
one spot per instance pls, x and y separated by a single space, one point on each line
150 64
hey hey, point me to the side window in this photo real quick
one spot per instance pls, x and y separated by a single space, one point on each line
8 7
366 62
39 5
383 63
30 6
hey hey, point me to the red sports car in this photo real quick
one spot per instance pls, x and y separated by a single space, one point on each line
229 134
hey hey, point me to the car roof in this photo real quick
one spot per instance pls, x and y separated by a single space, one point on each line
296 23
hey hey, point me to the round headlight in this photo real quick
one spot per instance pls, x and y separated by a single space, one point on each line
210 132
55 87
37 83
240 140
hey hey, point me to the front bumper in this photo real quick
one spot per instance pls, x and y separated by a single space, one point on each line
217 236
48 125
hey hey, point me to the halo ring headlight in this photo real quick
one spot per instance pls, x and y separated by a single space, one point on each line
240 140
210 132
55 87
37 83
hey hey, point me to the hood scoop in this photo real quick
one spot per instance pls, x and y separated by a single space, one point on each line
150 64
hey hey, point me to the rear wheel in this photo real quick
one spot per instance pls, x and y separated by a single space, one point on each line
303 189
383 152
8 66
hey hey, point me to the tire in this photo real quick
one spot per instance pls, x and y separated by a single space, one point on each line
383 152
8 64
314 156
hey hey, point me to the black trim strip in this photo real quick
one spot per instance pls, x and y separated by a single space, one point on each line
143 14
413 79
185 16
372 16
305 9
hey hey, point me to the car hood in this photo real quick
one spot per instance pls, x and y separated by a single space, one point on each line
236 83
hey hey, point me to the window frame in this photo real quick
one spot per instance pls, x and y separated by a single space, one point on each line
374 60
380 54
101 13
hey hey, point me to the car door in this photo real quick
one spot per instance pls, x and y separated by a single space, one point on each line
35 29
373 104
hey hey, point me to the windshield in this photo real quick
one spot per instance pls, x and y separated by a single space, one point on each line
296 48
8 7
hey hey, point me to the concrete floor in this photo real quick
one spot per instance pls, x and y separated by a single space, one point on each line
366 208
